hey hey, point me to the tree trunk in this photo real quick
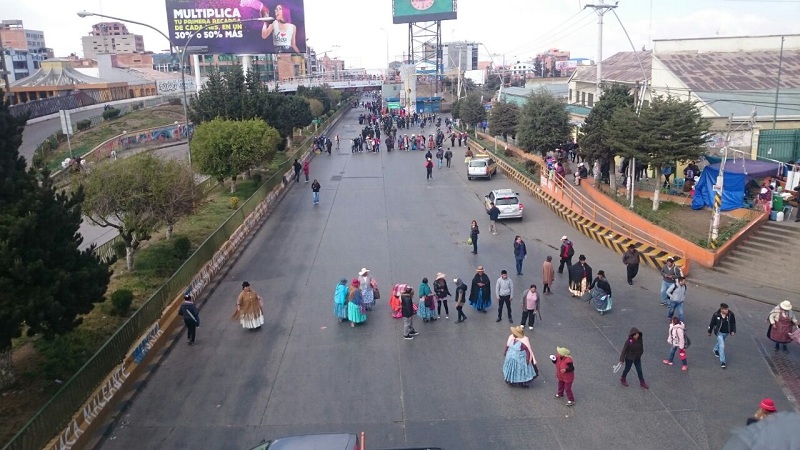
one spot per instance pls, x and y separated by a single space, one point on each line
7 377
169 231
289 142
129 257
657 190
612 175
233 185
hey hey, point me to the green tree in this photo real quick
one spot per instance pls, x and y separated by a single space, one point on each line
225 148
471 110
667 131
127 196
208 103
285 113
594 139
174 194
316 107
316 92
543 123
503 119
46 281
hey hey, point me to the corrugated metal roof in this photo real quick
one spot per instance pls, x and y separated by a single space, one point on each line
733 71
741 103
55 73
622 67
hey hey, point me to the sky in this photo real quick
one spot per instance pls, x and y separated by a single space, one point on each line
510 30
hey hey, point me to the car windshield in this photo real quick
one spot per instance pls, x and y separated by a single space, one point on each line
477 163
507 201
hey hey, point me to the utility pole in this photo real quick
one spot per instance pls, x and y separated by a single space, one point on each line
600 8
718 187
778 87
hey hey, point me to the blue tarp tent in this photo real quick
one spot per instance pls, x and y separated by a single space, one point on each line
737 174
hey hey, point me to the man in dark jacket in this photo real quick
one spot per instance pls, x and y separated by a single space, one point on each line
565 253
461 298
494 214
723 324
191 317
297 168
407 310
520 251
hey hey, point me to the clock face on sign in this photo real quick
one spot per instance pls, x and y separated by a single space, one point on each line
421 4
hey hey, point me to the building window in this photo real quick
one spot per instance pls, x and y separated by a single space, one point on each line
591 99
570 95
583 98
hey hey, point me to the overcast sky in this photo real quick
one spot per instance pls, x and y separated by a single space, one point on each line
518 29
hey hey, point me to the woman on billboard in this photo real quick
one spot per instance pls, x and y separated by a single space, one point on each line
284 33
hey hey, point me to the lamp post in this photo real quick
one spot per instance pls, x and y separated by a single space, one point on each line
83 14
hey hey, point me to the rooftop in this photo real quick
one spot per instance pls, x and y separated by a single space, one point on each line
733 71
622 67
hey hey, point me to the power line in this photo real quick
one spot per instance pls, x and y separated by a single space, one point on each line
546 35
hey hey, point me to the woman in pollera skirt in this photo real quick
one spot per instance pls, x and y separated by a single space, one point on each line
249 308
340 300
426 309
518 366
356 312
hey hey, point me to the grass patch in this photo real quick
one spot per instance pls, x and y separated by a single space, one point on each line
84 141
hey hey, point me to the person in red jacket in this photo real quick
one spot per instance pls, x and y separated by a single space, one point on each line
565 373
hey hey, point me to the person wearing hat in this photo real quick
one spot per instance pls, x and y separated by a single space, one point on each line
340 300
723 324
565 253
782 321
480 294
461 298
580 277
191 317
669 274
601 293
765 408
368 286
520 362
565 373
249 308
442 292
631 260
356 311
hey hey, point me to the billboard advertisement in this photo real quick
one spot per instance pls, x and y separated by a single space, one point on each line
407 11
235 26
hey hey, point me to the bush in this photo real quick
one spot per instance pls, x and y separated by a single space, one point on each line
175 101
121 301
181 247
111 113
84 124
509 153
532 166
60 137
233 203
64 354
120 251
257 179
137 106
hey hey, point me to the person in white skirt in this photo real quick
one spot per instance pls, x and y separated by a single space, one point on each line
249 308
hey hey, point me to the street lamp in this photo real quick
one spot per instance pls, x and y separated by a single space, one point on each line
83 14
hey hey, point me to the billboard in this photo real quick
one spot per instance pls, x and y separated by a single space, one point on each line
407 11
232 26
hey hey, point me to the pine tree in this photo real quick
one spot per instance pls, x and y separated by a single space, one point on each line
46 281
543 124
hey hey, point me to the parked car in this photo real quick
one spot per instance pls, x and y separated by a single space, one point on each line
324 441
507 201
481 167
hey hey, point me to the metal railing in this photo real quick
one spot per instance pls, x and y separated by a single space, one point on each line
572 198
57 412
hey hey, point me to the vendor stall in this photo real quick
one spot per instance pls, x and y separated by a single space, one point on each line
735 179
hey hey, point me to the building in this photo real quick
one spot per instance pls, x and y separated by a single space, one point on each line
111 38
23 50
734 81
460 56
547 62
521 69
330 68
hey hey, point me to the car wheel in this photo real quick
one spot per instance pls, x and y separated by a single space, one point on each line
469 177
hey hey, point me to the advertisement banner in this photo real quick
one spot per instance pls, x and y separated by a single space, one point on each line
233 26
407 11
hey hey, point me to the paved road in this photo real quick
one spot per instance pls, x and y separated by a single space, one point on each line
93 234
39 129
304 372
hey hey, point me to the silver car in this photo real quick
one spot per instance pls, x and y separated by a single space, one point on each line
507 201
481 167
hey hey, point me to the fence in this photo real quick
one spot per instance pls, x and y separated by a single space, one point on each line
55 415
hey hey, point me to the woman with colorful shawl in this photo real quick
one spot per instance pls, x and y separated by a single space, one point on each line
480 294
340 300
356 313
367 285
518 366
427 308
394 300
